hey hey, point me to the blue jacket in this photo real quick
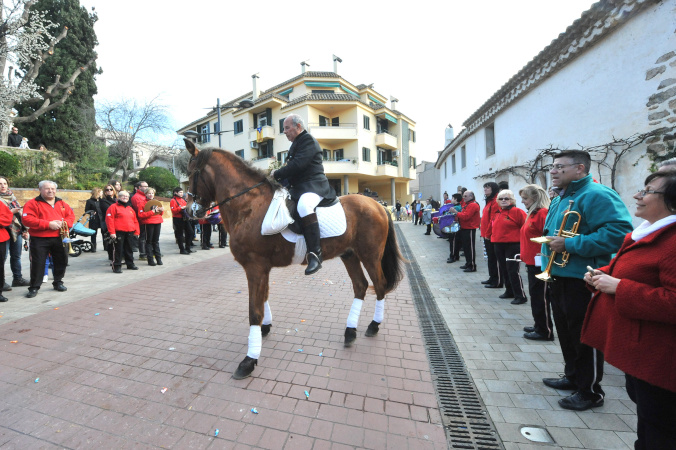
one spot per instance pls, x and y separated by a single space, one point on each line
605 222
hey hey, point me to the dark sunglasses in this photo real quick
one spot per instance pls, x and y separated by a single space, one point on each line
504 198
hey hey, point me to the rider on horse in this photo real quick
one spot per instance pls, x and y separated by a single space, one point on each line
309 186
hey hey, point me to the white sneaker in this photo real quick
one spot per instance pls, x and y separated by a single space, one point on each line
45 279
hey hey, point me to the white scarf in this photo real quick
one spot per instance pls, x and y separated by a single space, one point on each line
646 228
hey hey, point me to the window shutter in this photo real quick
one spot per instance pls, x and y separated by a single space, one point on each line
279 157
322 121
270 152
335 122
268 116
380 156
281 125
255 120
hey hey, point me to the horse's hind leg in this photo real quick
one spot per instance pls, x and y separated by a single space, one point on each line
267 319
375 271
359 285
258 277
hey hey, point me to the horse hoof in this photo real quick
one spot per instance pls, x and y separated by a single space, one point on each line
265 329
372 330
350 336
245 368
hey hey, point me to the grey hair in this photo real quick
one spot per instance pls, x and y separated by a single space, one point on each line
44 182
296 120
667 162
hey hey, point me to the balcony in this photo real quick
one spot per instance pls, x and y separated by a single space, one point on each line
386 140
342 132
262 162
388 169
267 133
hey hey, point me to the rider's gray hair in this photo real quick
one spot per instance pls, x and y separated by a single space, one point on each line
296 120
43 182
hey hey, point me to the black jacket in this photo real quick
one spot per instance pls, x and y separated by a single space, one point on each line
304 169
14 140
95 219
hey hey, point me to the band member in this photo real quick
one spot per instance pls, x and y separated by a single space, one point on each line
309 185
47 216
603 224
6 218
490 210
137 202
469 218
182 227
152 221
123 227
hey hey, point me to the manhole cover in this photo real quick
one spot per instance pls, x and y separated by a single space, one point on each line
537 434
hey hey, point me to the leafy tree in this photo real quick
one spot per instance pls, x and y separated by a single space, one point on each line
159 178
9 164
27 42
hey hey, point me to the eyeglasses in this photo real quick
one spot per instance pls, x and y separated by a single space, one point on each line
106 190
642 193
504 199
561 166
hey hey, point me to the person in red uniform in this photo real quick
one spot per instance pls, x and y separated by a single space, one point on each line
507 240
123 226
632 315
152 221
536 200
488 215
6 219
182 227
469 218
45 215
139 198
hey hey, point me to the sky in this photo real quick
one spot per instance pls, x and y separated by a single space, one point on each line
441 59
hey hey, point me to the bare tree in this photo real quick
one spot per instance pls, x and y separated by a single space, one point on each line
126 124
26 41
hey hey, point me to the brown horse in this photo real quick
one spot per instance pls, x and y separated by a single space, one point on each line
244 194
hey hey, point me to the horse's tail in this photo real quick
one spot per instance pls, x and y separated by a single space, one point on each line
392 259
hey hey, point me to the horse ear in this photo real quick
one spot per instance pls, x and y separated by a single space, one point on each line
191 147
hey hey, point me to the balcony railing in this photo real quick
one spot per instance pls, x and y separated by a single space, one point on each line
344 131
386 140
267 132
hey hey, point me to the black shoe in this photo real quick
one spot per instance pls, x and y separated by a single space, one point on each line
117 269
3 299
507 295
562 384
151 261
185 252
159 261
463 267
528 329
142 258
535 336
132 267
221 246
450 260
519 301
204 247
580 402
32 293
427 234
493 286
6 288
314 262
469 269
489 281
20 282
60 287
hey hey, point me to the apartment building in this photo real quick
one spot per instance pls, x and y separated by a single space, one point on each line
366 144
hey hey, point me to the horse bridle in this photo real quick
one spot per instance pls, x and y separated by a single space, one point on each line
196 197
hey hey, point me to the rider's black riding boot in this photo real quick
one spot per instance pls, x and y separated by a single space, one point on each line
314 250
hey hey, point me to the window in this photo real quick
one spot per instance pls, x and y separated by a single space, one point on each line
326 154
206 137
265 150
216 128
338 154
323 91
463 157
240 153
323 121
281 157
239 126
453 163
335 122
411 135
281 126
490 140
412 161
366 152
445 173
367 123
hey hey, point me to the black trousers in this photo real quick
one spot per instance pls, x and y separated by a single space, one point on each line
40 247
454 244
3 257
153 239
540 303
468 239
509 270
656 412
206 235
123 249
182 232
493 269
583 364
222 235
93 239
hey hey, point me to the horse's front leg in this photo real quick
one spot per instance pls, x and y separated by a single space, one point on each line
258 277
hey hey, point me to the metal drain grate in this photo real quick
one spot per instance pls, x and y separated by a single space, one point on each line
463 413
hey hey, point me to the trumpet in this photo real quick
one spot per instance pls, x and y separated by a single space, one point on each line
546 276
65 237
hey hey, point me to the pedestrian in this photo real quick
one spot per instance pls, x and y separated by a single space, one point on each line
14 139
18 233
49 220
491 190
470 219
96 217
454 239
139 198
123 226
397 207
109 199
506 237
6 218
180 219
604 221
152 221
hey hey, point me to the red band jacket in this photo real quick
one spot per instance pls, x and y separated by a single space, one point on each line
37 214
487 217
6 218
533 227
122 218
175 205
469 217
507 225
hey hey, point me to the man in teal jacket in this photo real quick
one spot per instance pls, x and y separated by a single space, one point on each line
603 225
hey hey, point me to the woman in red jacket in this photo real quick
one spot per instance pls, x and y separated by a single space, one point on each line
506 239
487 216
122 226
182 227
152 220
6 218
536 200
632 316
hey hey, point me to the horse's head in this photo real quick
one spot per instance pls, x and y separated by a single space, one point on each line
198 180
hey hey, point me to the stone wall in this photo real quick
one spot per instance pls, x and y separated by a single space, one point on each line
662 104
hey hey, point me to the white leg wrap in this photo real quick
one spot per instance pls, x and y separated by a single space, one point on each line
379 313
267 315
255 342
353 317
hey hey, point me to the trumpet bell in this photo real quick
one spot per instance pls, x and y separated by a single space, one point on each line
541 240
544 276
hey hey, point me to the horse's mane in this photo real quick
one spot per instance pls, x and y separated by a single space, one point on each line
238 163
